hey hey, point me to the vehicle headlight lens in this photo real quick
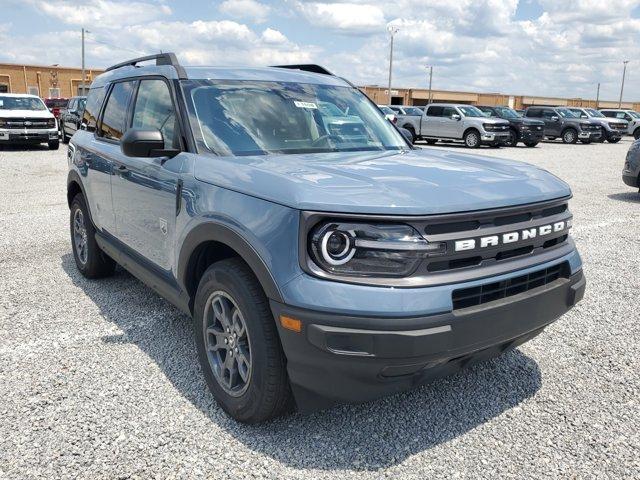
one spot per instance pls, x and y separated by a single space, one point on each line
51 122
525 127
365 249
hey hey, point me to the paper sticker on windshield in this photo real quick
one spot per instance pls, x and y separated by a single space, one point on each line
304 104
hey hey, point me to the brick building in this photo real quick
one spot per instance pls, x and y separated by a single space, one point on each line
44 81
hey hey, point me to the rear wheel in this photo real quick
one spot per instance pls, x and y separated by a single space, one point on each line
90 259
569 136
238 344
636 133
472 139
54 145
586 141
410 129
531 144
65 139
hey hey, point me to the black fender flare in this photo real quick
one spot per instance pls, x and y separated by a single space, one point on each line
217 232
74 177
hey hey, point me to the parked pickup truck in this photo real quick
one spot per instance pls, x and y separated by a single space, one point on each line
525 130
444 121
319 265
630 116
560 122
406 117
70 117
612 129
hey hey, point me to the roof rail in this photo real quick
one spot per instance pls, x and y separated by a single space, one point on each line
168 58
308 67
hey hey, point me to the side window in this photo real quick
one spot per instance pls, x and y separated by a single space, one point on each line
448 111
626 117
154 110
434 111
92 108
113 124
533 112
547 114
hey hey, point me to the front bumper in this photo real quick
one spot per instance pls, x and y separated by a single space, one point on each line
28 135
531 135
593 136
633 180
490 138
345 358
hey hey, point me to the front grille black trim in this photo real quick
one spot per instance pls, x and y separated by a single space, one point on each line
490 292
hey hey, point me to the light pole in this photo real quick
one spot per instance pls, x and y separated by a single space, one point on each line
624 73
598 96
430 67
83 73
392 31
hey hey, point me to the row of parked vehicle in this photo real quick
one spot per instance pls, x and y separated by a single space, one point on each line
499 125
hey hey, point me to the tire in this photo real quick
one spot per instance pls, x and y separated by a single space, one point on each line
412 132
431 141
531 144
63 133
570 135
472 138
613 140
586 142
265 393
636 133
512 141
54 145
91 261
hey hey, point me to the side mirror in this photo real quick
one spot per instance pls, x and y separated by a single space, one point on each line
392 118
455 116
555 118
145 143
407 134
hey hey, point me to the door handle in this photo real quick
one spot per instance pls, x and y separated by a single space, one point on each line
122 169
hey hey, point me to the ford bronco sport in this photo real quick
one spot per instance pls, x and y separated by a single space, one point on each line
319 263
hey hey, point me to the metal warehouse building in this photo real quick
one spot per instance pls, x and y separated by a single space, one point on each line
44 81
419 97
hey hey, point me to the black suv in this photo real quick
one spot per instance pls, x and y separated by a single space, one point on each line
560 122
525 130
70 117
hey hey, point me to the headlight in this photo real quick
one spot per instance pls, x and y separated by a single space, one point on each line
51 122
369 249
525 127
3 122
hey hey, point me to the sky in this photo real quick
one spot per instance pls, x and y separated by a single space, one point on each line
531 47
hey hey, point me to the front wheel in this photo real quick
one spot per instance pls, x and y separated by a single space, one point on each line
636 133
585 141
569 136
512 140
91 261
238 344
63 133
531 144
472 139
54 145
613 140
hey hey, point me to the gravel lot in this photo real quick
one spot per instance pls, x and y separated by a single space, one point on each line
99 379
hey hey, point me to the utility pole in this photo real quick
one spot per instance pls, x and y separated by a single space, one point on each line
82 82
624 73
430 79
392 31
598 96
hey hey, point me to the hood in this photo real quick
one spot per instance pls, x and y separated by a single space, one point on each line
25 113
417 182
490 120
526 121
609 120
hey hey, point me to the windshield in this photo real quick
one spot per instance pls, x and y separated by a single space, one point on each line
413 111
470 111
634 114
56 102
260 118
594 113
506 112
566 113
21 103
386 110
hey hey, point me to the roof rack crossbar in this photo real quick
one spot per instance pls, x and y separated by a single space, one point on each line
168 58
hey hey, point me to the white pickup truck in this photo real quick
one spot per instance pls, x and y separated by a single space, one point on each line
445 121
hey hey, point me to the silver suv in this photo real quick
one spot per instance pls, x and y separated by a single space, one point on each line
443 121
630 116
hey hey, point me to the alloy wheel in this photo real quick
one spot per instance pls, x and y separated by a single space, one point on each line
227 343
80 236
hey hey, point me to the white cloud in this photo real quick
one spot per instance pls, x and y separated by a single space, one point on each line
101 13
272 36
346 17
246 9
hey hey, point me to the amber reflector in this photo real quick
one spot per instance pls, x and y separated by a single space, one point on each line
289 323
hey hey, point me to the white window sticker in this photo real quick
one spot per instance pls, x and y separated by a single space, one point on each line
305 104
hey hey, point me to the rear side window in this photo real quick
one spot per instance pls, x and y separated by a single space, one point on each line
448 112
534 112
94 102
154 110
113 124
435 111
548 114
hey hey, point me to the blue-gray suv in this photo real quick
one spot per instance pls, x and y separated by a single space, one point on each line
322 259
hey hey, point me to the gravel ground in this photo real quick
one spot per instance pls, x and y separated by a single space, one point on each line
99 379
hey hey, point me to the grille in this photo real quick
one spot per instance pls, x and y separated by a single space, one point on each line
35 123
590 128
490 292
618 126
